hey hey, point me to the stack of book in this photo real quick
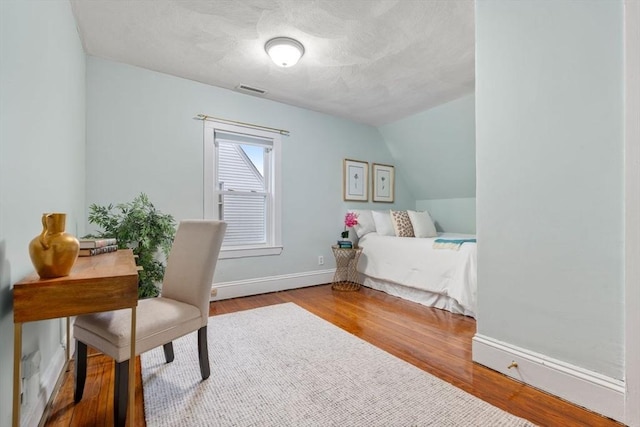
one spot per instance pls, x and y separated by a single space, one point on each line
345 244
90 247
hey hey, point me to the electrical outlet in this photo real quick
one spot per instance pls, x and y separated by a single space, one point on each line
320 260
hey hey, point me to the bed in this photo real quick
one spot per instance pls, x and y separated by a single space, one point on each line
413 269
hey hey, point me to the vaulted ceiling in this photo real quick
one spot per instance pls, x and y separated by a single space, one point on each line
371 61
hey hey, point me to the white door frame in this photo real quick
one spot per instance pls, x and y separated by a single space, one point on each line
632 210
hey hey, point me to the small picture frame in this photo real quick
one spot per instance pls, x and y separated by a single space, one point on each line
355 180
383 182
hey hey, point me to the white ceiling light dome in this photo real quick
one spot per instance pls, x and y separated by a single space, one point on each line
284 51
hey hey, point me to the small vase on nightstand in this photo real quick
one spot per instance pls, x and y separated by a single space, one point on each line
345 242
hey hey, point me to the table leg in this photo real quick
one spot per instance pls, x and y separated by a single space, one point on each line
17 359
132 370
68 349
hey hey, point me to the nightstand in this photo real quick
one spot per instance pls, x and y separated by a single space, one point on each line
346 277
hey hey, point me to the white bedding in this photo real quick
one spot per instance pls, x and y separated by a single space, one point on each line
414 263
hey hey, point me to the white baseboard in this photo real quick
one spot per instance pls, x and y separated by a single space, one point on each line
32 414
262 285
585 388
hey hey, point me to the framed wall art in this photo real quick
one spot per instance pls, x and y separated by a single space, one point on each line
355 180
383 181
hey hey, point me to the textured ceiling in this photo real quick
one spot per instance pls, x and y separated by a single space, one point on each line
371 61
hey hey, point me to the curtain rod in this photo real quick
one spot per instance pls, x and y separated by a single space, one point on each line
217 119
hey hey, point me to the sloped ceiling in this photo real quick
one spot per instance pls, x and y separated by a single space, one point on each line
371 61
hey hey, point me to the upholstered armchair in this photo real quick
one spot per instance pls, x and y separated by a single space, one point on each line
182 308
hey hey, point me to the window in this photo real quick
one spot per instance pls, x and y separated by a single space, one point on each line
242 187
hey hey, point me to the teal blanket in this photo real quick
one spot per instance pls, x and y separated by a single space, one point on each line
451 243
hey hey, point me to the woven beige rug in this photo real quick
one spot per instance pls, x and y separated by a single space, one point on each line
283 366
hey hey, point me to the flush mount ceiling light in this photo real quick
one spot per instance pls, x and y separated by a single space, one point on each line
284 51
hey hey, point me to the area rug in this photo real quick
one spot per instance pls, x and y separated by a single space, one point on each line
283 366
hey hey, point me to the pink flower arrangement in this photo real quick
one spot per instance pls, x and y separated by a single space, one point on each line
350 219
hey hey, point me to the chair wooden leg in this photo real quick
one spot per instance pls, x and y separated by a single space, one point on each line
121 393
80 370
168 352
203 353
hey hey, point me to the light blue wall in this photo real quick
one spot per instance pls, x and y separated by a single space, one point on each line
435 150
451 215
141 137
42 133
550 167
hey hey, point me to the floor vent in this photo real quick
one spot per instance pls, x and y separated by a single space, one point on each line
251 90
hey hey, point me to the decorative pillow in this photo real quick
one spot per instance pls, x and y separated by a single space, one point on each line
402 224
384 226
422 224
365 223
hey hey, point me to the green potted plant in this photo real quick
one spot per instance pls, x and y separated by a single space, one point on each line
140 226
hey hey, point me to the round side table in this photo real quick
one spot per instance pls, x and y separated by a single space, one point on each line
346 277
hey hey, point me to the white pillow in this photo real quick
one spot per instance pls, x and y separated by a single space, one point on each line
384 225
365 223
422 224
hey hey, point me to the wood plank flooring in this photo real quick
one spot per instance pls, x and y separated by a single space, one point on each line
433 340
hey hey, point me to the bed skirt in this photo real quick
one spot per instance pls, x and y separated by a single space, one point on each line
427 298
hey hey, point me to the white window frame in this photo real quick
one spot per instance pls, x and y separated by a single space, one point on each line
273 246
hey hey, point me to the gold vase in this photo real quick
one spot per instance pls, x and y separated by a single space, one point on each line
53 252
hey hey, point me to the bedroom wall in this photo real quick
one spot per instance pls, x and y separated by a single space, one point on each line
42 133
141 137
435 151
550 207
451 215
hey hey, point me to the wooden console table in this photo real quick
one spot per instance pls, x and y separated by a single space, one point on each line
98 283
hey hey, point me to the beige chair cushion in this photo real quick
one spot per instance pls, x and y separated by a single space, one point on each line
158 321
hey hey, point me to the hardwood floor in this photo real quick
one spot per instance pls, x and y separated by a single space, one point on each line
433 340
